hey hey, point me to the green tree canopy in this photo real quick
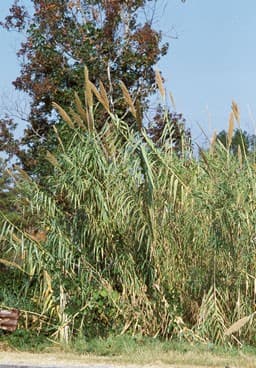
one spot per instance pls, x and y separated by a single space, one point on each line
240 138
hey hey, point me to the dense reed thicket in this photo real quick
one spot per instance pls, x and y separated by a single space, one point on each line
137 239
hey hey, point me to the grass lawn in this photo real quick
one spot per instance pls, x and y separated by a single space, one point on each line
122 350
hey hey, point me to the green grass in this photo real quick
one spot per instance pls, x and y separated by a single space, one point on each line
132 346
129 350
24 340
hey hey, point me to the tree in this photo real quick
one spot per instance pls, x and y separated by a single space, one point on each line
240 138
8 144
167 126
9 207
61 37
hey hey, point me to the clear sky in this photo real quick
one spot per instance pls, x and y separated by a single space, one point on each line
212 61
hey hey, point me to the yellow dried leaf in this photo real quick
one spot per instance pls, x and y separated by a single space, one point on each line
213 141
77 118
104 96
160 85
88 91
10 264
79 107
63 114
172 100
128 98
52 159
230 129
98 95
237 325
236 112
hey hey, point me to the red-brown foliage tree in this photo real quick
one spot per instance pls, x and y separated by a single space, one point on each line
62 36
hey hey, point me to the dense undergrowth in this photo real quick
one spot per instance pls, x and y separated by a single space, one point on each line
138 238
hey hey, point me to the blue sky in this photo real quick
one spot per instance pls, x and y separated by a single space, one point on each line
212 61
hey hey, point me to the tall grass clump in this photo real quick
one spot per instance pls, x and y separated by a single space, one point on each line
137 238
